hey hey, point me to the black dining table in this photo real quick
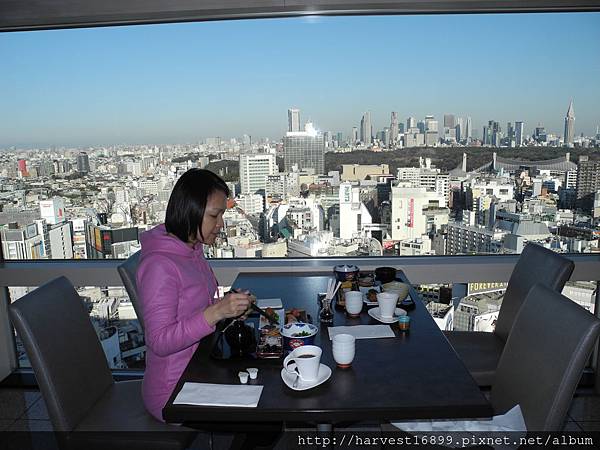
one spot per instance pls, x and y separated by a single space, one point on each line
414 375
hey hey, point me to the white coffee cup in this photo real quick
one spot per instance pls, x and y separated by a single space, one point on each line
387 303
344 349
354 302
305 361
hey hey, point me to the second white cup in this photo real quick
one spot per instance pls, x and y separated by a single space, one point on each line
354 302
387 303
344 349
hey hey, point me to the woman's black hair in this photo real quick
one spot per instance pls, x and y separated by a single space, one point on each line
187 202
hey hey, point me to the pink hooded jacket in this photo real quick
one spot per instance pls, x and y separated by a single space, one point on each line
175 285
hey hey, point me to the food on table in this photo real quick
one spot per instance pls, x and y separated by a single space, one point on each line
295 315
372 295
365 281
301 334
289 318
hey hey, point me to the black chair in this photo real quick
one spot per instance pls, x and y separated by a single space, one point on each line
86 407
127 272
543 359
480 351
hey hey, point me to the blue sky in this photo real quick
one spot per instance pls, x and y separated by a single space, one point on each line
177 83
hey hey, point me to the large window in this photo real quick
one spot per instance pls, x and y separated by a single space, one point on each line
339 136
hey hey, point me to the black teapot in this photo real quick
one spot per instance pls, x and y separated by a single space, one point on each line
240 338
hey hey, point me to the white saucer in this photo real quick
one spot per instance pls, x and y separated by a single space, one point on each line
374 313
322 377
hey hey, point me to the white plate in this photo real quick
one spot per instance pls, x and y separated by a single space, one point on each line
322 377
374 313
365 290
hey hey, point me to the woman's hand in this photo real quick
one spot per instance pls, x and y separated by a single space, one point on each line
233 304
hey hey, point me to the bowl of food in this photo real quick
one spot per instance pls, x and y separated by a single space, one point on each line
297 334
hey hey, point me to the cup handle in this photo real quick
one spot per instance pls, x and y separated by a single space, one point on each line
287 362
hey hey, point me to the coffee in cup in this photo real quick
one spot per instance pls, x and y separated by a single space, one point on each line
304 361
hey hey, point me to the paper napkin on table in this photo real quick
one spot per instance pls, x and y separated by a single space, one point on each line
208 394
363 331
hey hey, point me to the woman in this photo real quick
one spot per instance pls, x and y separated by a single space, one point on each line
176 285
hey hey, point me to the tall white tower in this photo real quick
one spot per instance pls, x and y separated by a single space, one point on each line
570 125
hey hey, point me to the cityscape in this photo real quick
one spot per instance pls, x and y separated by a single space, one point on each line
419 136
93 203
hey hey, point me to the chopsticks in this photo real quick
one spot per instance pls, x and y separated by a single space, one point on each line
264 314
332 288
253 306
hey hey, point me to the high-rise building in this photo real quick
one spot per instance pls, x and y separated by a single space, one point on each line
408 210
354 135
52 210
254 170
394 128
22 165
60 238
366 129
83 163
449 121
304 149
353 212
519 128
588 183
459 129
105 242
431 124
569 125
469 130
411 122
293 120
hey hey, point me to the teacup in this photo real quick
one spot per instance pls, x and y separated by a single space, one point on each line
387 303
343 348
354 302
304 361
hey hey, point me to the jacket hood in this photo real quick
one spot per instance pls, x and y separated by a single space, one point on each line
157 240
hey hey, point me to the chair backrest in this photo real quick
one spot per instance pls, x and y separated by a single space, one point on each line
536 265
544 358
64 350
127 271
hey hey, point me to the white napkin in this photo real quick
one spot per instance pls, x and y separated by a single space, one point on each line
363 331
510 421
207 394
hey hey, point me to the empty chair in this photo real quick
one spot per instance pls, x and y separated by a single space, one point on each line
480 351
544 358
86 407
127 272
542 362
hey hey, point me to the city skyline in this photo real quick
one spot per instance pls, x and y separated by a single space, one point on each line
171 84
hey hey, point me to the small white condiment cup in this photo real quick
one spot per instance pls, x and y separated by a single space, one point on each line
243 377
253 371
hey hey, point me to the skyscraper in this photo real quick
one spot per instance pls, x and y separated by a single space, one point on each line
569 125
254 169
83 163
354 135
366 129
519 127
411 122
469 130
305 149
394 129
293 120
588 183
449 121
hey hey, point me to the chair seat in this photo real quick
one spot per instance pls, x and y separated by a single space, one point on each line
119 420
480 352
